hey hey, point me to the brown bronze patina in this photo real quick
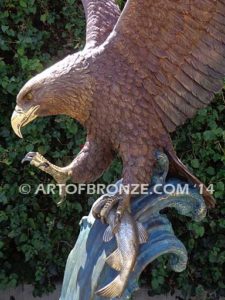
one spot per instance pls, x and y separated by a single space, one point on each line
141 74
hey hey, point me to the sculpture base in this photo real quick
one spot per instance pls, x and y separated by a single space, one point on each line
86 270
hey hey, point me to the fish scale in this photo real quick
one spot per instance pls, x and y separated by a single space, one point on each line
128 240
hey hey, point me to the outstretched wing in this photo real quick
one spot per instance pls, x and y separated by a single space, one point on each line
101 17
178 47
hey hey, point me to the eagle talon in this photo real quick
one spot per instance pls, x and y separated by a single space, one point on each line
102 208
97 207
59 174
108 203
37 160
29 157
95 214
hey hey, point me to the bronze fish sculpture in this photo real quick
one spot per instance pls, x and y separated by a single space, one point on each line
129 236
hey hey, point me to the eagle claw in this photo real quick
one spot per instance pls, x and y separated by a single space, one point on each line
29 156
61 175
37 160
102 208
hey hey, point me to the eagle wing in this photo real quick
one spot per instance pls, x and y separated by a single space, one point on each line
178 47
101 17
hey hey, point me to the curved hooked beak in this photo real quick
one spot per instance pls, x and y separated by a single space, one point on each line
20 118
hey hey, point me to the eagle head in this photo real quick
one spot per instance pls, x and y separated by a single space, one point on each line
56 90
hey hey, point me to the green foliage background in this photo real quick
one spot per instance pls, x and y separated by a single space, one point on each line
36 235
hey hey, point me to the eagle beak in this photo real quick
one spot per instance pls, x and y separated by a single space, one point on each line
20 118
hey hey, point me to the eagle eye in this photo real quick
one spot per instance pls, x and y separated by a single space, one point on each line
29 96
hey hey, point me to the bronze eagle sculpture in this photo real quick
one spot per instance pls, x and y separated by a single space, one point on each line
143 72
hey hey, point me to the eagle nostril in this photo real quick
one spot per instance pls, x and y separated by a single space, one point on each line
18 109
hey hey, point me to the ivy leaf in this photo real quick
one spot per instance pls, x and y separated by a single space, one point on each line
23 3
195 163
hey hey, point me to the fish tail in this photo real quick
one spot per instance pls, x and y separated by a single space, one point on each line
113 289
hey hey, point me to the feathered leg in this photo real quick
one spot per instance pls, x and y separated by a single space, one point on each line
136 172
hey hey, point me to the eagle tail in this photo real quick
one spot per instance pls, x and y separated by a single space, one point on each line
177 168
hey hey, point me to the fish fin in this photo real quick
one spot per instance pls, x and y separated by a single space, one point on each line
114 260
142 233
113 289
108 234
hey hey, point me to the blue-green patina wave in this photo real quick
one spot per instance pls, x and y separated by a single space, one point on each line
86 270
